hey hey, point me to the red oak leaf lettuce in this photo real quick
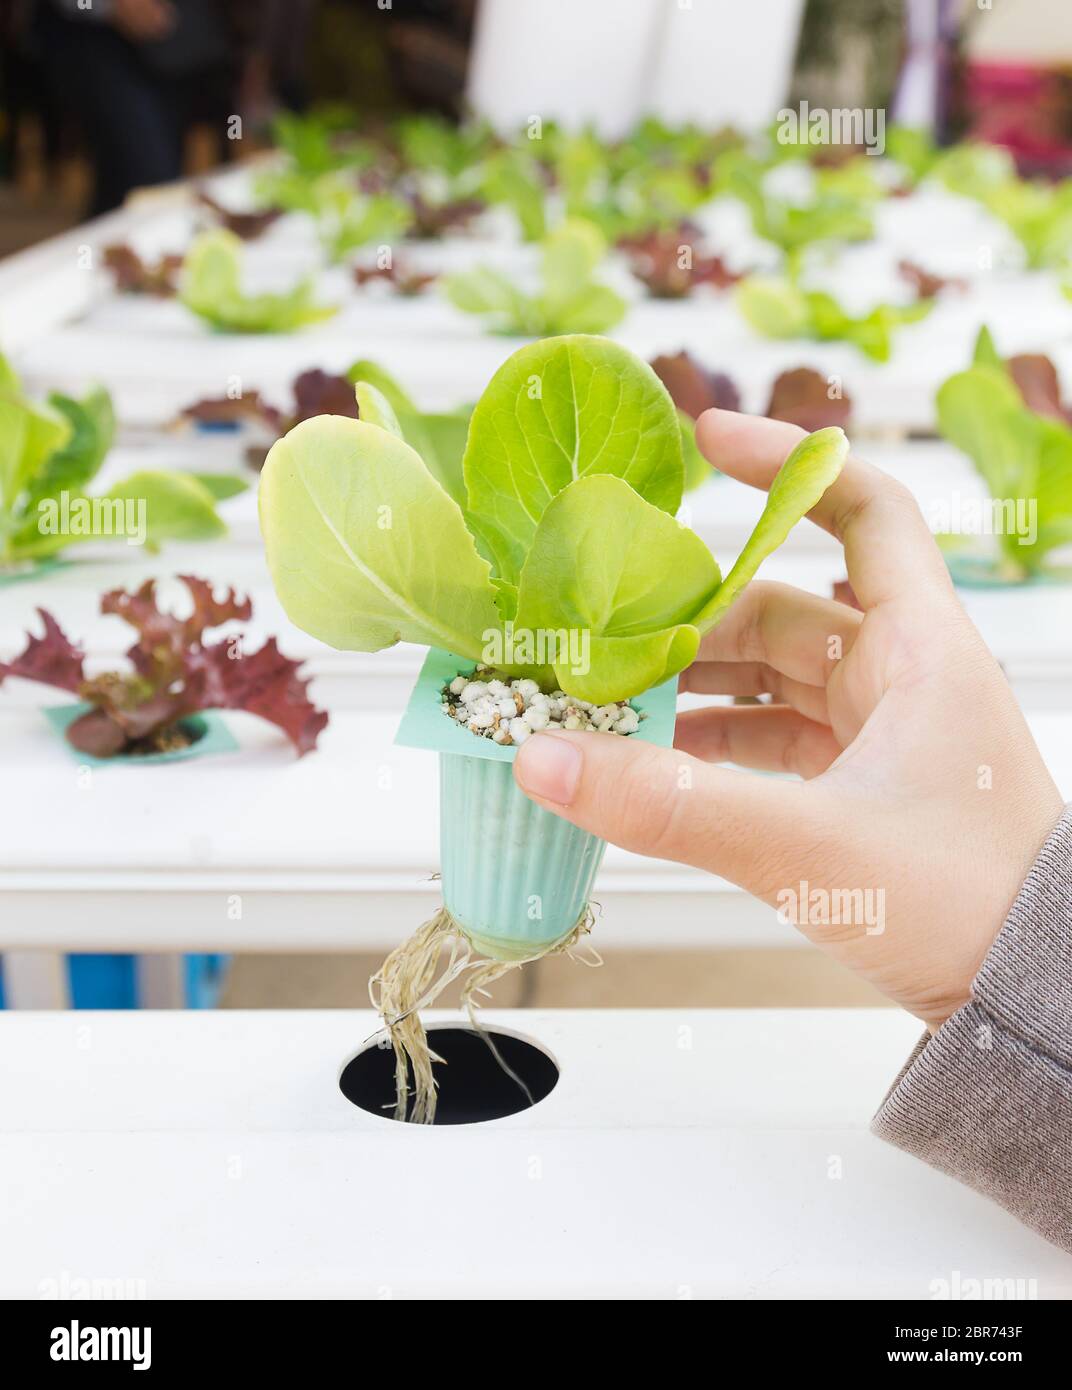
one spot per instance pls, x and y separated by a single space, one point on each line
132 275
175 672
692 387
802 396
657 257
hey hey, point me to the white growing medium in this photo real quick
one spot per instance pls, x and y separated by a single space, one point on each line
507 712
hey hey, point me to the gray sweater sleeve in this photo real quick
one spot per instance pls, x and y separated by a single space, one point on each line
988 1098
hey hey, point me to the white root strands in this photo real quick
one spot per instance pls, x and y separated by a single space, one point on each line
411 979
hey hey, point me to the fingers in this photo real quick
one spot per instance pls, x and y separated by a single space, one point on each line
801 635
753 678
756 831
875 518
769 738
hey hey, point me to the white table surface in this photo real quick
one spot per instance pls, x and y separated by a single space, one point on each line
334 851
1028 629
682 1154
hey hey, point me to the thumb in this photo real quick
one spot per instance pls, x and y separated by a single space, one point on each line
758 832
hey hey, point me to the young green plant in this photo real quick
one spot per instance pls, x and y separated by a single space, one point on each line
564 522
1007 418
50 452
781 309
212 289
570 298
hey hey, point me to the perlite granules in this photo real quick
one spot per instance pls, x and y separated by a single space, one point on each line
508 711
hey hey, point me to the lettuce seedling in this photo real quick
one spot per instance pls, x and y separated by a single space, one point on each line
829 217
515 179
1039 215
974 169
572 475
173 673
570 299
51 452
781 309
212 289
1008 418
320 142
431 144
348 220
913 150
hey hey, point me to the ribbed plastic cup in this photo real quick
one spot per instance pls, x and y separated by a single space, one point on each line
515 877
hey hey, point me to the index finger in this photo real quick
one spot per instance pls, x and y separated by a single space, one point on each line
875 518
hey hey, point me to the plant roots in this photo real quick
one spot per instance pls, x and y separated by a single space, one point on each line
411 979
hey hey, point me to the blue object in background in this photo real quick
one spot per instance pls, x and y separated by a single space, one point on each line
110 981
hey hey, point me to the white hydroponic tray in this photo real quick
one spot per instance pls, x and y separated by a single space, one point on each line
723 511
65 326
1028 629
682 1154
258 850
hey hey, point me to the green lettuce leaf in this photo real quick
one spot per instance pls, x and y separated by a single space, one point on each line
439 437
781 309
562 521
178 506
556 411
607 564
697 469
1024 458
801 481
570 300
29 436
983 414
349 221
76 463
400 401
512 179
375 409
212 290
365 548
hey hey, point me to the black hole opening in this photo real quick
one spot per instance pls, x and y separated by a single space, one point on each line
473 1087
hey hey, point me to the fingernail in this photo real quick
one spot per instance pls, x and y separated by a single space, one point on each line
549 767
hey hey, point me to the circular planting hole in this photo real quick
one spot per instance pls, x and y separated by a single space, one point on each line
473 1086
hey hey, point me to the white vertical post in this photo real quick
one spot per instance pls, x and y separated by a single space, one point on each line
160 981
36 980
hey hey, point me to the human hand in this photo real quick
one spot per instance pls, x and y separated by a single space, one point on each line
922 779
143 21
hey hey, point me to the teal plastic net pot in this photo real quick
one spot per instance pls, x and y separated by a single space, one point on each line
515 878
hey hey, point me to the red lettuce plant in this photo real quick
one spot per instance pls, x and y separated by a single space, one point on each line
174 674
802 396
693 388
248 226
925 283
669 265
401 279
133 275
316 392
431 220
